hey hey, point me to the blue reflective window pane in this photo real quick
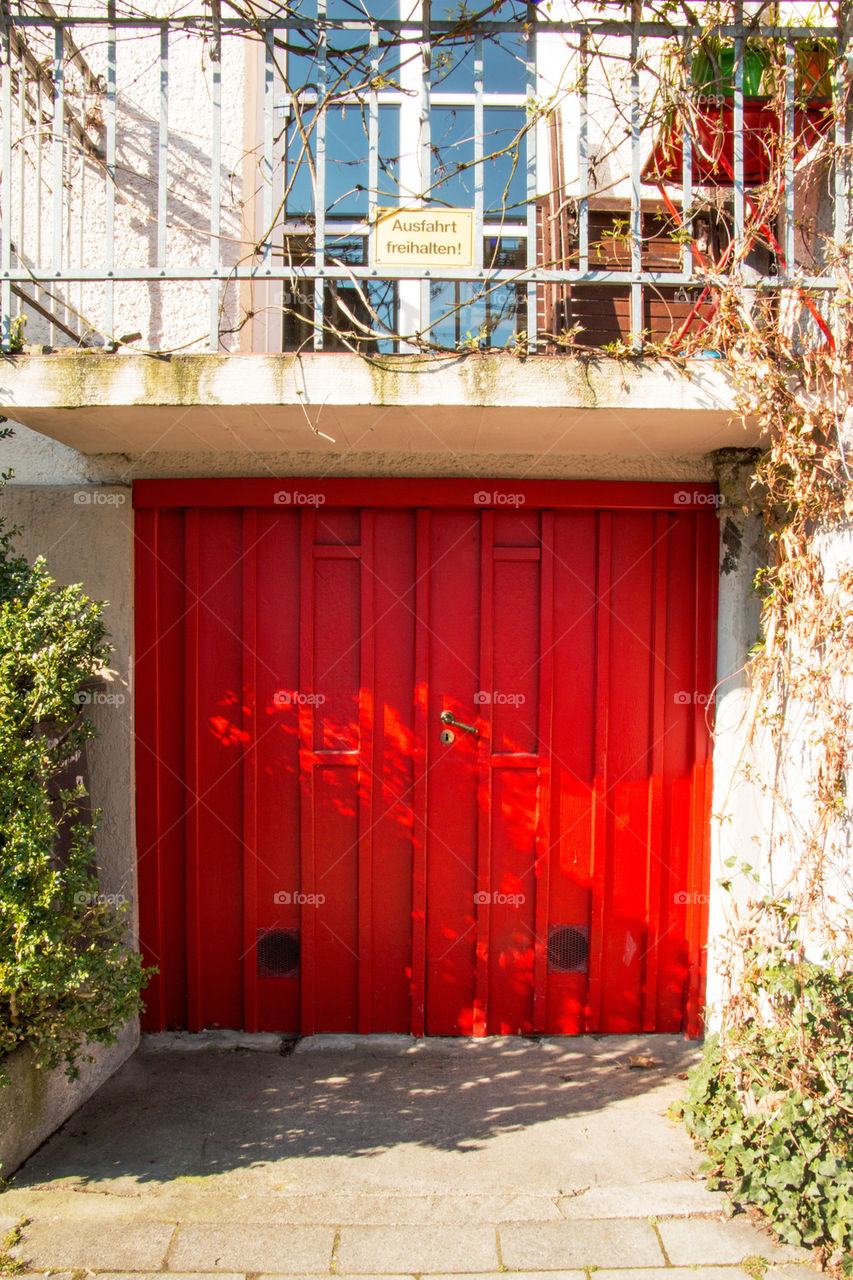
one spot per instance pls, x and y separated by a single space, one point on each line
453 156
503 253
452 65
465 314
346 161
350 56
504 160
348 62
388 185
344 10
301 70
347 170
504 69
299 189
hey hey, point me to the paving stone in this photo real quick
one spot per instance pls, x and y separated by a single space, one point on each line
261 1247
201 1041
671 1273
158 1275
570 1245
362 1045
516 1275
651 1200
102 1246
39 1275
383 1250
792 1271
191 1204
374 1210
706 1241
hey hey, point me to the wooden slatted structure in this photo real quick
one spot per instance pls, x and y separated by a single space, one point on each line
596 315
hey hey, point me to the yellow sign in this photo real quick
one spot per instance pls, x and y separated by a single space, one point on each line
435 237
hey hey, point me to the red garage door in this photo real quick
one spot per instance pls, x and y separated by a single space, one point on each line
418 756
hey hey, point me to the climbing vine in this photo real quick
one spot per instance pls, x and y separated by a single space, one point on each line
772 1100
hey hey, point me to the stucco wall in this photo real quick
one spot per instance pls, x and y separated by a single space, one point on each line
35 1103
167 314
38 460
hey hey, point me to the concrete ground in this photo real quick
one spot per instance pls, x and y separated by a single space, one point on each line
385 1157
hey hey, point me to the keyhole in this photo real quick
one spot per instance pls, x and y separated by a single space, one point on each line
447 736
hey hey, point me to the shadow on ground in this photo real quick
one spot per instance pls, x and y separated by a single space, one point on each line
592 1117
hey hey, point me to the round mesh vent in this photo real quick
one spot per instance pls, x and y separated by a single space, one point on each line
568 948
278 953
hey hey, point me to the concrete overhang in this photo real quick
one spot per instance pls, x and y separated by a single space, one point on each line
104 404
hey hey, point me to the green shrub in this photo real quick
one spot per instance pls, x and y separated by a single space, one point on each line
66 974
772 1100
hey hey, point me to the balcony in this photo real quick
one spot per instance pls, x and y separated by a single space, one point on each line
211 183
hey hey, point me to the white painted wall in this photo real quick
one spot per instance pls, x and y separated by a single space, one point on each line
169 315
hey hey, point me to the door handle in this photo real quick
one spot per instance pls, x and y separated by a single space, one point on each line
447 717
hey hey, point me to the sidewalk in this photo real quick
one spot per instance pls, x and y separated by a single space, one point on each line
386 1157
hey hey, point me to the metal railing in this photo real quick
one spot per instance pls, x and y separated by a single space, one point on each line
153 180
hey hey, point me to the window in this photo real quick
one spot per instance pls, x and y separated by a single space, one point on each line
370 119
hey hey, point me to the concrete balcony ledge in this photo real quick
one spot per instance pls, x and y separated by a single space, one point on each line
99 403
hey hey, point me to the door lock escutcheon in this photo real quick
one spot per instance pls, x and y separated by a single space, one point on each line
447 717
447 736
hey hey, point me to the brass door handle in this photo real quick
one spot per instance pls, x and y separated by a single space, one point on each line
447 717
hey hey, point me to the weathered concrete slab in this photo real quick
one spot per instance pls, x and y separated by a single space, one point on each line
430 1158
255 1247
131 404
507 1118
516 1275
157 1275
571 1245
381 1251
663 1199
39 1275
366 1045
672 1273
190 1203
195 1042
706 1241
95 1246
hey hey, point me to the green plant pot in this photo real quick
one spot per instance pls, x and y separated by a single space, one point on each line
714 73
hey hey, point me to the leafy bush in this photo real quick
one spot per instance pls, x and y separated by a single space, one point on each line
772 1099
65 973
